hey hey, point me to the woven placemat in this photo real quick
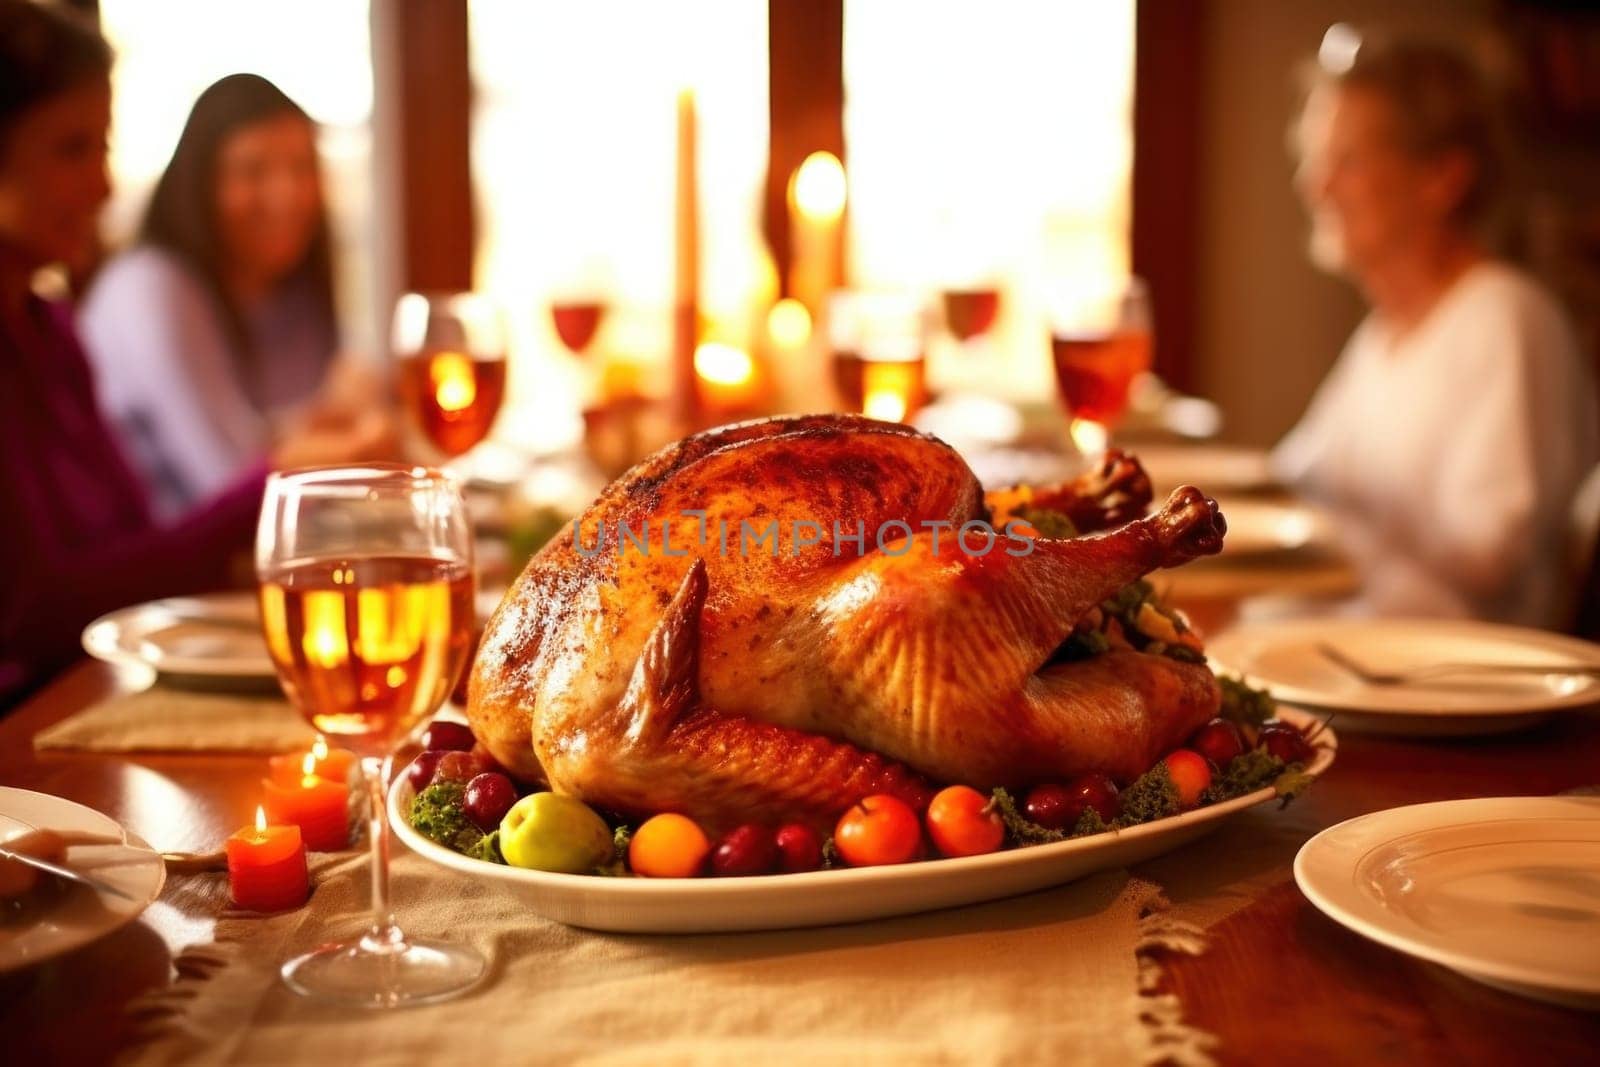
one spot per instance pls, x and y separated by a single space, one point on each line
165 719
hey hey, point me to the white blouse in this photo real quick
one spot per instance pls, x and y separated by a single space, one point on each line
1451 454
188 415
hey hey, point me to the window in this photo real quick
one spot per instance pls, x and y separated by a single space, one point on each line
990 146
574 147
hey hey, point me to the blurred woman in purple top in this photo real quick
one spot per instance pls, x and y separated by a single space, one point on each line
76 533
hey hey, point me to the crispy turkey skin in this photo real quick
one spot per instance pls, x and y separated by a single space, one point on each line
746 684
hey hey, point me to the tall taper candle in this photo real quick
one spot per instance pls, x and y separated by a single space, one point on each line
686 268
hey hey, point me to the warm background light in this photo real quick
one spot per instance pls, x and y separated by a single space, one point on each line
1089 437
723 364
319 53
789 324
818 187
993 151
573 145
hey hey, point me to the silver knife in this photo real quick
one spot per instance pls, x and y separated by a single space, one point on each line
61 871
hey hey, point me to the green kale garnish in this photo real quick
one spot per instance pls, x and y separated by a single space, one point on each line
1245 773
1151 796
1257 769
1079 645
488 848
1124 603
1052 524
1088 823
436 814
1021 830
618 865
1291 783
1244 704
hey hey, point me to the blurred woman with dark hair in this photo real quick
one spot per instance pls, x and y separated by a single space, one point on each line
212 336
76 532
1456 427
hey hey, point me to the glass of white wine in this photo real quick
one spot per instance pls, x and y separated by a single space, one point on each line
366 587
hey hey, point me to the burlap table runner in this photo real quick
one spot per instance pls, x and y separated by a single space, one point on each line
164 719
1052 977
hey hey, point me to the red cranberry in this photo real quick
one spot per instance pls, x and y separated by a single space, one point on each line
746 850
799 848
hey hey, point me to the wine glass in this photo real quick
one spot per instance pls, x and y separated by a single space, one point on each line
970 312
879 341
451 350
577 319
1100 342
366 589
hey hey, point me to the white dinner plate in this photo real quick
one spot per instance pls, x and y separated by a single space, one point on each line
1214 468
820 898
77 915
1283 657
1259 528
213 637
1503 890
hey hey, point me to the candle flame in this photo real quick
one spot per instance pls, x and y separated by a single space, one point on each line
818 188
308 766
319 748
1090 437
887 405
888 388
723 364
261 819
455 387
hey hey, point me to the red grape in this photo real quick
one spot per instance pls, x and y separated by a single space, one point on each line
1058 807
1094 791
458 767
488 762
799 848
1285 742
420 773
446 736
1218 741
487 799
749 849
1050 806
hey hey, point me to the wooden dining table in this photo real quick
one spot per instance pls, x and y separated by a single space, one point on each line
1278 983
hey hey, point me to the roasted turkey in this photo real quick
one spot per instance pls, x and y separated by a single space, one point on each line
697 669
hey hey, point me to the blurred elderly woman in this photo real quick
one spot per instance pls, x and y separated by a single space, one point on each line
1458 423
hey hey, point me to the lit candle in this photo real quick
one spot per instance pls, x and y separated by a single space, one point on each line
320 808
817 194
334 764
891 390
686 265
726 378
267 867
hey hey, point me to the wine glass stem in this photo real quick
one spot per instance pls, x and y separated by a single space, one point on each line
384 936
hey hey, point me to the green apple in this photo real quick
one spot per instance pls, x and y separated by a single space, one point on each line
554 832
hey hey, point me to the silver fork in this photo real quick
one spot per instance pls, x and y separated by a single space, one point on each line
1372 677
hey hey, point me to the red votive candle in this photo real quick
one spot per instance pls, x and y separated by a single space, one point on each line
334 764
320 808
267 867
